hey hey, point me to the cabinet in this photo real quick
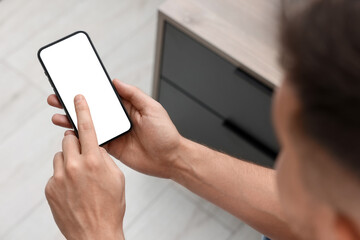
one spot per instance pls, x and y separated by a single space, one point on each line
212 100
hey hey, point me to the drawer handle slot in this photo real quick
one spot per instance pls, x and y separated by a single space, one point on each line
230 125
253 81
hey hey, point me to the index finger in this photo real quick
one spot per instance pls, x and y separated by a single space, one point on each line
86 130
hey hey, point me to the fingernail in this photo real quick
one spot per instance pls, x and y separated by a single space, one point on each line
67 132
78 98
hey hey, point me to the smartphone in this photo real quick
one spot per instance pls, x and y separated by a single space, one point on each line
73 67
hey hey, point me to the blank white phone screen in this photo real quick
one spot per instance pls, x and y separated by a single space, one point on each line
74 68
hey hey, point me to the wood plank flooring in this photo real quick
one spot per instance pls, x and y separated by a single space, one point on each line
123 32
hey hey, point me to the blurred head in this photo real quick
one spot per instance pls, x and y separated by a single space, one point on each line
317 118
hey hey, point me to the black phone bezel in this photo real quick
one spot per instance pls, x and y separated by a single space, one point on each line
58 95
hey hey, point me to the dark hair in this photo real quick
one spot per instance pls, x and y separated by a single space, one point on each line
320 53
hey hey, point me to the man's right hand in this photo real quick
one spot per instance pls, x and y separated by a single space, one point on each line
153 144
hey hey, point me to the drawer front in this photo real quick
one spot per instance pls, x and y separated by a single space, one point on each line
219 85
197 123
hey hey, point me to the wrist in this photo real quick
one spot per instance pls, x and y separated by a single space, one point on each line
181 165
117 236
105 234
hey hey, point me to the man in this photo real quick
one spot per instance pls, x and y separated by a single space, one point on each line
314 191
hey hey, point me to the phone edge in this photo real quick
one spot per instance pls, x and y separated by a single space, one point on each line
106 73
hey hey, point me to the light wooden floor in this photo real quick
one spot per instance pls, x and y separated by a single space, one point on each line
124 33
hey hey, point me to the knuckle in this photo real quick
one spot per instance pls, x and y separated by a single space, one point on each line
82 106
49 190
92 162
59 178
91 158
85 126
64 140
103 150
72 168
58 155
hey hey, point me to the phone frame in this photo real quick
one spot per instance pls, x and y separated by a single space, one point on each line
58 95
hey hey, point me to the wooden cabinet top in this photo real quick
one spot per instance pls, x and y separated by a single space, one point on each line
244 32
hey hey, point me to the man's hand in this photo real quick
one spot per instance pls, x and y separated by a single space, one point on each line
86 192
153 144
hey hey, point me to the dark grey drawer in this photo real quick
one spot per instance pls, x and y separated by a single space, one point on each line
197 123
216 83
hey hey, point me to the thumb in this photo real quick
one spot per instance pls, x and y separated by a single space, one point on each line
135 96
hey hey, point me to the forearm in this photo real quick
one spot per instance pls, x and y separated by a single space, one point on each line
246 190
